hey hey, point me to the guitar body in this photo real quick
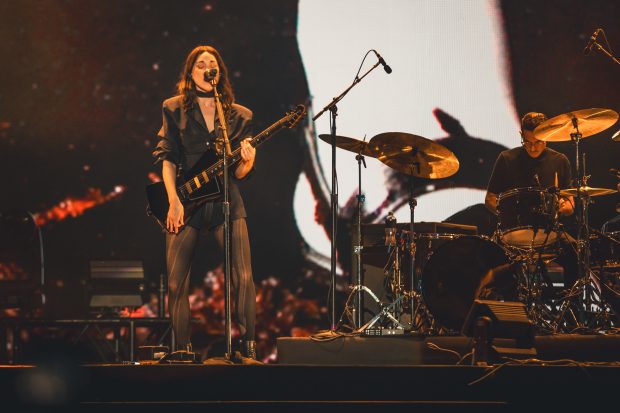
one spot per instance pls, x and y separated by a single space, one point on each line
157 197
202 183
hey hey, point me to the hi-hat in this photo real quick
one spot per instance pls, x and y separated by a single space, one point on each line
349 144
587 191
414 155
588 121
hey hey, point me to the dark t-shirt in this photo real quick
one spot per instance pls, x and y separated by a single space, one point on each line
184 138
514 168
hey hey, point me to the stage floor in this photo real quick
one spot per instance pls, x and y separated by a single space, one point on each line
436 350
317 385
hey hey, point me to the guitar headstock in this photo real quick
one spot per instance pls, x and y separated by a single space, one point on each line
293 117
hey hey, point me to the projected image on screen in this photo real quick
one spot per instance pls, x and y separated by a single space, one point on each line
449 84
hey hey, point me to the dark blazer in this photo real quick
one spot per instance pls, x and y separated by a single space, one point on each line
184 138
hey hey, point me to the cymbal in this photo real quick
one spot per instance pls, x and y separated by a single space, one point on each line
587 191
349 144
589 121
414 155
616 137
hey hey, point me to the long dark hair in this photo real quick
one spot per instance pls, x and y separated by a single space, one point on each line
187 87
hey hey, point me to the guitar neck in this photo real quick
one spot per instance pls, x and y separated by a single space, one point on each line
205 176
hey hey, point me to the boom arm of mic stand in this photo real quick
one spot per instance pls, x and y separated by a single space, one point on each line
602 49
343 94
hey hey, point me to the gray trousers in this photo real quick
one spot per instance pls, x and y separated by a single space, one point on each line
180 249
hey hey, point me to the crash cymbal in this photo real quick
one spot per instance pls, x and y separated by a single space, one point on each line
616 136
414 155
349 144
587 191
589 121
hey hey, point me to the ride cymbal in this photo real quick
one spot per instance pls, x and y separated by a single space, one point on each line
414 155
349 144
588 121
587 191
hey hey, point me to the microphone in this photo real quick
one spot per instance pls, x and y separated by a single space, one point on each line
614 171
387 68
210 74
591 42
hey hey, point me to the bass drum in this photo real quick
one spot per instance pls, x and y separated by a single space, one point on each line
453 275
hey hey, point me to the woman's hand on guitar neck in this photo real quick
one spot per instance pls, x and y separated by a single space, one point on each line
174 220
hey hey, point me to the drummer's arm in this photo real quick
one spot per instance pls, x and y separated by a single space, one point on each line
490 200
567 205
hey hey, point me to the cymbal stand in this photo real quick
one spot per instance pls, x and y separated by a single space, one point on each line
586 291
412 250
421 319
534 280
581 210
357 249
390 312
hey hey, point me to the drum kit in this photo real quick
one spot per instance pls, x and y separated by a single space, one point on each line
447 271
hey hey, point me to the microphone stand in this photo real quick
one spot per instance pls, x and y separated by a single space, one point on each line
608 54
334 194
226 154
613 59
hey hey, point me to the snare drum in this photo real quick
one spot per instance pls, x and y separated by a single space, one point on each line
527 217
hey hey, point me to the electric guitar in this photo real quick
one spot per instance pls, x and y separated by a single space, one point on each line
203 182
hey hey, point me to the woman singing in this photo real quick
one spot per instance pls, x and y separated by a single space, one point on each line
190 128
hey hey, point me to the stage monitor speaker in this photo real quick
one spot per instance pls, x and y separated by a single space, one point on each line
488 321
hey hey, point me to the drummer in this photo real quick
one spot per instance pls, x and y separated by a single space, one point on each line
530 165
534 165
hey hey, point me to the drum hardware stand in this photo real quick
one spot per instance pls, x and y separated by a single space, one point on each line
531 281
583 288
357 249
582 243
334 191
390 311
387 311
356 291
531 289
414 303
418 311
